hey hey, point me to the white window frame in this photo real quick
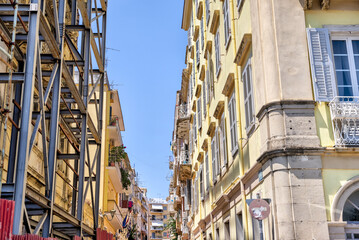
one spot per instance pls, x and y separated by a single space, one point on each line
226 22
218 52
248 97
233 123
350 54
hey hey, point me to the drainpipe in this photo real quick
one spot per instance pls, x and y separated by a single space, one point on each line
239 119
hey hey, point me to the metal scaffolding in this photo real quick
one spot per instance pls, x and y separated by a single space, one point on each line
54 40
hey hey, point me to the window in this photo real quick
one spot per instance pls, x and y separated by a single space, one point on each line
202 34
197 53
164 208
204 96
201 183
208 85
351 208
239 227
165 234
227 24
233 123
217 234
196 194
199 112
214 162
223 142
248 96
208 12
346 63
227 232
190 137
153 235
194 131
217 149
164 216
218 53
211 77
210 236
207 172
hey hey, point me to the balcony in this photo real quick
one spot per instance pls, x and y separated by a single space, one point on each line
183 121
114 173
185 169
345 117
115 130
116 220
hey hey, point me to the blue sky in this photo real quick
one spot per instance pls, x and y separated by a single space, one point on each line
147 73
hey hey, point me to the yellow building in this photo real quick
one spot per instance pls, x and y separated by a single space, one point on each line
268 108
158 218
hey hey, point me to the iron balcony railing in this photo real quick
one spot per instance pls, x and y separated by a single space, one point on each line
183 111
345 116
184 157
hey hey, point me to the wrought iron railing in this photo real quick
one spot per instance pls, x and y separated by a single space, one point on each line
345 116
183 111
184 157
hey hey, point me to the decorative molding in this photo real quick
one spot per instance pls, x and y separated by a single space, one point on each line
205 144
219 110
199 10
196 33
325 4
211 128
202 72
200 157
228 86
208 47
198 90
243 49
215 22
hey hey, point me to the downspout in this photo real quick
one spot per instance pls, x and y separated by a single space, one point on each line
241 157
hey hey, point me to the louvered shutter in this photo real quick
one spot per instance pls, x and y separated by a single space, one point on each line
321 64
207 172
201 183
218 157
213 152
224 141
199 112
190 142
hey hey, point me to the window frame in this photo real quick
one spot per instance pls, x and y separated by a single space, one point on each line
213 155
223 142
233 123
206 160
199 112
248 97
208 11
197 53
217 47
226 23
351 60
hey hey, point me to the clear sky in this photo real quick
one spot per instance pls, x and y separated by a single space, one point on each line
147 73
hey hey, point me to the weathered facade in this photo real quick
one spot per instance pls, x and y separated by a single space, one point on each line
268 107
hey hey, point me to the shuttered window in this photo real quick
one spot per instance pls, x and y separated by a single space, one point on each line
208 12
197 52
213 153
218 52
218 157
207 171
211 78
248 96
201 186
227 25
202 34
196 194
190 142
233 123
223 144
208 85
321 64
199 112
204 96
194 131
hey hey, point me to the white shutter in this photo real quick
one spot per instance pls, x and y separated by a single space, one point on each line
208 84
218 165
223 142
213 152
201 183
197 52
218 53
207 172
321 64
190 142
233 123
208 11
204 93
194 131
199 112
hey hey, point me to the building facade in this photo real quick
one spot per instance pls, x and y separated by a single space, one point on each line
158 218
268 109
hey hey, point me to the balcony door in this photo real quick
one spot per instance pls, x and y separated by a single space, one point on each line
346 64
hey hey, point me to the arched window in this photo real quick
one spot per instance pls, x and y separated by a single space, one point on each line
351 208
